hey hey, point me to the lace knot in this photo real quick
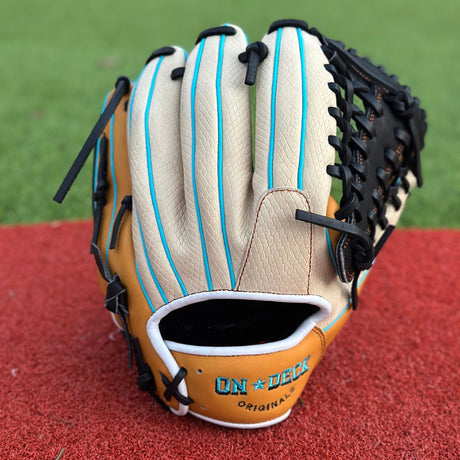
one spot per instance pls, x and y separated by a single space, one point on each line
255 53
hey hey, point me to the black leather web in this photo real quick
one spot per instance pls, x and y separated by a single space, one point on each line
381 130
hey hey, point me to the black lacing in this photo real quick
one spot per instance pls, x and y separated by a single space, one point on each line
352 149
357 78
145 379
219 30
122 86
126 205
99 201
116 301
362 248
255 53
165 51
351 142
172 387
177 73
99 197
352 171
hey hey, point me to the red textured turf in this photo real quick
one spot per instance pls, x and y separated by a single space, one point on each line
387 387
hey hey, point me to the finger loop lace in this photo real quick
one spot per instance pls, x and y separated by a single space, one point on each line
126 205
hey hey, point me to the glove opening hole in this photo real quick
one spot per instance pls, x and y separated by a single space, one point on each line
234 322
199 371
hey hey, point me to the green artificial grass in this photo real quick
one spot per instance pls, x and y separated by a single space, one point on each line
59 58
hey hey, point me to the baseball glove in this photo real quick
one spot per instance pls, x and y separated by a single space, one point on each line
224 258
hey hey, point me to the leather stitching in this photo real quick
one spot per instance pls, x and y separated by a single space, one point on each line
270 192
319 333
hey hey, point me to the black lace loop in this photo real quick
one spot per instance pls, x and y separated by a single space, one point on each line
220 30
99 197
365 249
362 248
372 102
172 387
177 73
165 51
116 301
145 380
126 205
102 184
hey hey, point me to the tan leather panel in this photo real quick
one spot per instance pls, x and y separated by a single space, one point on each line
254 388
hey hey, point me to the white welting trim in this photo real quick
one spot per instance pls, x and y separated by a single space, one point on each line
245 426
294 339
169 361
323 304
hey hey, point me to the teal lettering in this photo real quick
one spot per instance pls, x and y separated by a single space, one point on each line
296 375
274 381
222 386
239 387
305 367
286 377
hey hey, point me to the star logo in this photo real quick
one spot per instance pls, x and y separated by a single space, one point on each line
259 385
